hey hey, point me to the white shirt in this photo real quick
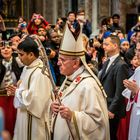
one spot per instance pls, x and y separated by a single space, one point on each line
112 59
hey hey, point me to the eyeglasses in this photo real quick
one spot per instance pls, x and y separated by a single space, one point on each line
5 43
64 60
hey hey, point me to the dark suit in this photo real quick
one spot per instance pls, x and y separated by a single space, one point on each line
15 68
112 81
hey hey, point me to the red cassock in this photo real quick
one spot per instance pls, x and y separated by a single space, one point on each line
123 128
6 103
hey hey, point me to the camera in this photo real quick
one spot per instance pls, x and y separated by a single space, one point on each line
91 41
48 51
22 25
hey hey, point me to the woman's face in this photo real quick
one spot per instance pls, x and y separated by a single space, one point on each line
135 62
6 52
37 21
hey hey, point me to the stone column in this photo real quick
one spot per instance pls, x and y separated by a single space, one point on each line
69 5
87 8
26 11
38 5
44 8
94 15
55 9
115 6
63 8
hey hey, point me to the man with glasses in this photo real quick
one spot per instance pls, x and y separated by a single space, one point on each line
82 113
132 93
115 70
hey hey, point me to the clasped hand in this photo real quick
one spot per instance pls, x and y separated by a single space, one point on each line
64 111
131 85
11 90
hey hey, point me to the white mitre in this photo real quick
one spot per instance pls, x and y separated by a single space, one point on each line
71 46
75 47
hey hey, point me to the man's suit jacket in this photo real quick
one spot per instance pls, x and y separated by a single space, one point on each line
112 81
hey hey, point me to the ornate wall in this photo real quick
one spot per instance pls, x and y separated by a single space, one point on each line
51 9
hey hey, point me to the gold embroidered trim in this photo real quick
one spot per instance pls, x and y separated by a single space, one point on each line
76 126
29 135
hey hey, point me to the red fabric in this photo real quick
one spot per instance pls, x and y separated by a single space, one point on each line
33 29
6 103
123 128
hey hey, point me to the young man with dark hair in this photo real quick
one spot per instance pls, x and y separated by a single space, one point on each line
32 95
116 21
132 93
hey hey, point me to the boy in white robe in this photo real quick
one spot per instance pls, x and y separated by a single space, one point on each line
133 91
32 95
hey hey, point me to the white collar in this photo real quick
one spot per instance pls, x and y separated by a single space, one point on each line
76 73
35 63
112 58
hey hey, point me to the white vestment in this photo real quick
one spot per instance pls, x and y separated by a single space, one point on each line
89 107
134 127
32 99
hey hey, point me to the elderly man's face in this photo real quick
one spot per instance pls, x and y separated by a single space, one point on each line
66 64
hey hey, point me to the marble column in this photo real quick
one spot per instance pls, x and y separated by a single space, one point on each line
87 8
94 15
38 5
44 8
116 6
55 11
63 8
69 5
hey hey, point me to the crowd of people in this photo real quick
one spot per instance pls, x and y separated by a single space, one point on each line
62 82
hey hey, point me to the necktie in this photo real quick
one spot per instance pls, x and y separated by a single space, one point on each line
108 65
104 69
105 65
